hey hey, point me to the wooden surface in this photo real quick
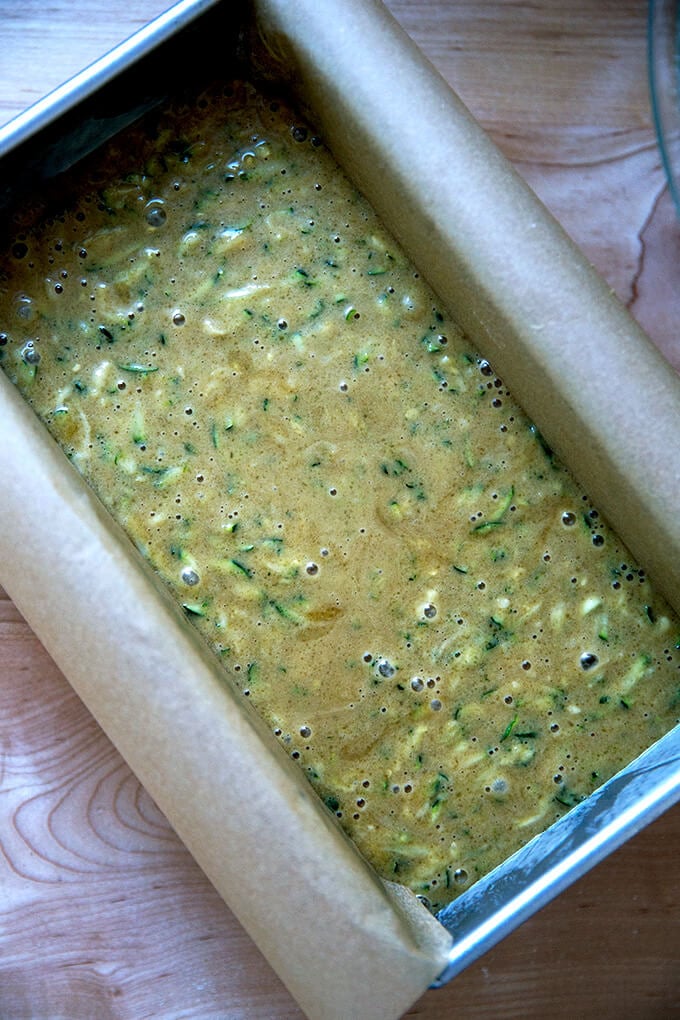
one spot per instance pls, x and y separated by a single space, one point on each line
102 912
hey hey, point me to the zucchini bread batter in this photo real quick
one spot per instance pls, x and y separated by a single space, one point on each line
380 547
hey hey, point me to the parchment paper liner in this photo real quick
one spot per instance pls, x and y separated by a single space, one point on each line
345 944
340 940
603 396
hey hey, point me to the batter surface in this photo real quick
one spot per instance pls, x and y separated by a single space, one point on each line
338 488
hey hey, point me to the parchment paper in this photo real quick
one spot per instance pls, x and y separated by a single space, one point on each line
342 941
603 396
345 944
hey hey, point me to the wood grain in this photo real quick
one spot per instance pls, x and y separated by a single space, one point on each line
102 911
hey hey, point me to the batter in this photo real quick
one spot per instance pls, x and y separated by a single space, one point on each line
340 491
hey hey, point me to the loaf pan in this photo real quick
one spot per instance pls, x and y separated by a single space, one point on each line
530 302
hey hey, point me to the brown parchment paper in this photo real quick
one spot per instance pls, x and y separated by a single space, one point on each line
345 944
603 396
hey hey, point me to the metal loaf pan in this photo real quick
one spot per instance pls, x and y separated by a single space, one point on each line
480 237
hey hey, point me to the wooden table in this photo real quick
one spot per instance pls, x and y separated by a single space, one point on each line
102 912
